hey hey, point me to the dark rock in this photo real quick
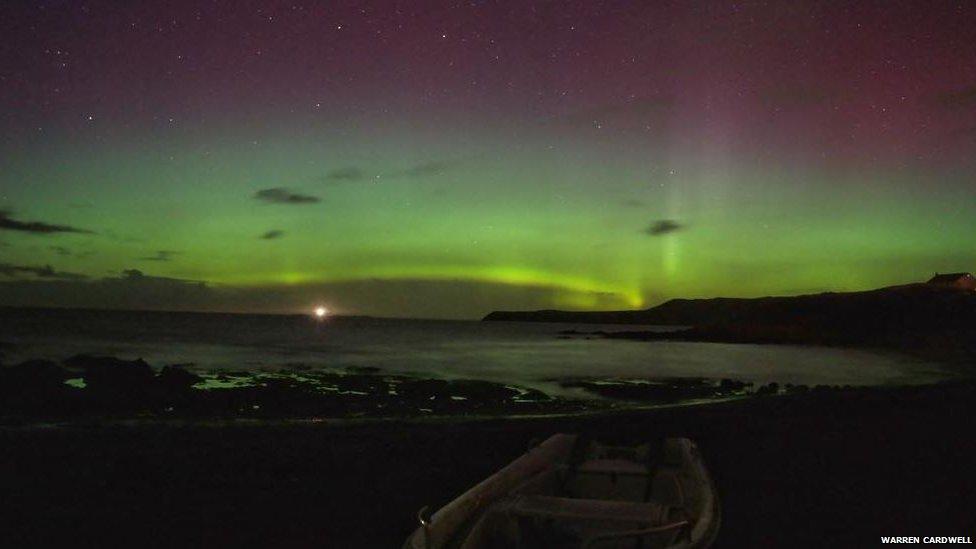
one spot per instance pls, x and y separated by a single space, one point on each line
483 391
32 375
113 374
533 395
797 389
658 390
424 389
176 378
36 388
368 384
732 385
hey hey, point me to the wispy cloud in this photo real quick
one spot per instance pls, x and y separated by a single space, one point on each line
351 173
663 227
280 195
161 255
135 275
68 252
272 235
43 271
424 169
35 227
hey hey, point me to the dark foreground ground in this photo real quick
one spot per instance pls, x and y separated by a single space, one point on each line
824 469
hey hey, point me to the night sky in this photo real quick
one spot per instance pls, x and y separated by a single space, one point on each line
447 159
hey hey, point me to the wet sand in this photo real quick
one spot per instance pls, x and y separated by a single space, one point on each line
827 468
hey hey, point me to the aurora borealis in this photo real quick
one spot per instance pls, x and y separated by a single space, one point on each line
446 159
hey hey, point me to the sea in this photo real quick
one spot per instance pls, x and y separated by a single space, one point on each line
526 354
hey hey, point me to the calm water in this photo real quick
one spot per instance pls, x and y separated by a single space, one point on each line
521 353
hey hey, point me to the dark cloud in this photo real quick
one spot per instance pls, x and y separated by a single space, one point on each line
44 271
161 255
957 99
68 252
136 275
634 203
663 227
272 234
131 289
345 174
353 174
279 195
35 227
426 169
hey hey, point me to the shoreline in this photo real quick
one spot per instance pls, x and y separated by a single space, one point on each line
460 419
87 388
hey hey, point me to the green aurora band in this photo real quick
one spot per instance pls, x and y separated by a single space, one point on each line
565 215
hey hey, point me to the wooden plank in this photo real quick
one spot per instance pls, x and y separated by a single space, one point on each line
650 514
445 523
612 467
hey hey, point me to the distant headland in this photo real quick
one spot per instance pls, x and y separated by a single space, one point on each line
937 317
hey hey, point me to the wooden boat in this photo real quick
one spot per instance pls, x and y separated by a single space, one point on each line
569 492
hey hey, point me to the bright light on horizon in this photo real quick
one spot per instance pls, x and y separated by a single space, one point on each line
320 312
